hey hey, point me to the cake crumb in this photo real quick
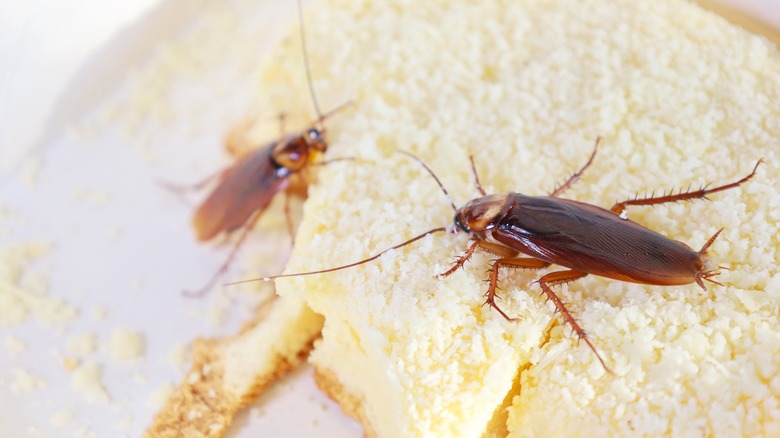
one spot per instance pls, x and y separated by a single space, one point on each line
25 381
70 364
139 377
180 355
62 418
113 231
15 346
23 293
84 432
90 195
127 344
161 395
99 313
83 344
126 423
33 431
86 380
31 168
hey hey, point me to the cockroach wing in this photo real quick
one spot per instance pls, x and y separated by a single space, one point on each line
246 187
594 240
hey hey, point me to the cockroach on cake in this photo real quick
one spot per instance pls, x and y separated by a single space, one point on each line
246 188
534 232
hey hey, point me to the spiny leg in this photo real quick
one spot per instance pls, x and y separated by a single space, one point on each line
515 262
248 226
476 177
561 277
620 207
489 247
576 175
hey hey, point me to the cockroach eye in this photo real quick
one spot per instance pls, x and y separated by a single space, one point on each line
460 225
314 134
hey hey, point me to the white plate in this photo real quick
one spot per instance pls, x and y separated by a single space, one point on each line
120 243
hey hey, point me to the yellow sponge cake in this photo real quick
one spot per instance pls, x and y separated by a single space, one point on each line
678 96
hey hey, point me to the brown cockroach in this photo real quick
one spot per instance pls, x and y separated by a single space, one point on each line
534 232
246 188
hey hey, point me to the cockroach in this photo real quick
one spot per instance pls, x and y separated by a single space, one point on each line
534 232
246 188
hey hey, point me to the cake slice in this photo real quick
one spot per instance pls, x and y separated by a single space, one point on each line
678 96
227 374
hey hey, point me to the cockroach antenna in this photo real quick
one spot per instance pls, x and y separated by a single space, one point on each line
316 104
438 181
350 265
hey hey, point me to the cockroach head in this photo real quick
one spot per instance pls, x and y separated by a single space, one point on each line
482 214
292 153
315 138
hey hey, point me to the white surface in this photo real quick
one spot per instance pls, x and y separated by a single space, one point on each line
65 61
114 123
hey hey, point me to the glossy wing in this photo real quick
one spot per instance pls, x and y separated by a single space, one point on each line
249 185
594 240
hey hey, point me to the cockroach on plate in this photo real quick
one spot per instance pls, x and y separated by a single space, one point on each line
534 232
246 188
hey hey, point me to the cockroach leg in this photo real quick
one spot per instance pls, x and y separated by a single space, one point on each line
561 277
476 176
492 248
687 195
248 226
710 241
514 262
460 261
576 175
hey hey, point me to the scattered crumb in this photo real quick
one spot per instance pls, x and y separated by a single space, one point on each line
113 231
83 344
83 432
25 381
89 195
23 294
127 344
138 284
15 346
70 364
139 377
126 423
31 168
180 355
99 313
62 417
256 412
160 396
219 307
86 381
33 431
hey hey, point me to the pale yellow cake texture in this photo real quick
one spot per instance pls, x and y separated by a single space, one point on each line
677 95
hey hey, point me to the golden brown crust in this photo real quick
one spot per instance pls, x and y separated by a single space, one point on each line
351 405
202 405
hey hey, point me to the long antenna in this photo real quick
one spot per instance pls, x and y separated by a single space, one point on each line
441 186
306 64
338 268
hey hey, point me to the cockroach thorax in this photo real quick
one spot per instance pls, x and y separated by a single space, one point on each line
481 214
